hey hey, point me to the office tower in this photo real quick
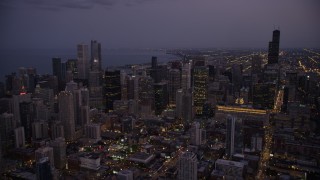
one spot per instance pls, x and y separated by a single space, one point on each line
59 152
83 61
17 99
127 124
256 64
184 105
81 105
195 134
236 77
40 130
112 88
96 61
43 169
146 96
19 137
186 76
154 62
26 117
187 166
263 95
160 97
45 152
57 130
130 83
66 114
95 88
273 53
212 72
174 83
200 86
7 131
146 90
230 127
158 73
234 135
93 131
125 175
71 66
57 71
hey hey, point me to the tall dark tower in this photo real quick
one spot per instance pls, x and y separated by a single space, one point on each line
95 55
112 88
273 54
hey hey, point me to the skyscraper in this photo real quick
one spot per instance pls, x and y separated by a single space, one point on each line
273 53
59 152
184 105
112 88
160 97
187 166
95 55
200 86
256 63
174 84
83 61
230 126
66 114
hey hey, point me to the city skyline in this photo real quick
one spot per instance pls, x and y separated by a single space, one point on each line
158 24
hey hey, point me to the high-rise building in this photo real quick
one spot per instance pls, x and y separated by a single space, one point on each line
160 97
83 61
273 53
40 130
230 135
200 86
93 131
184 105
186 76
236 77
7 131
59 70
43 169
66 114
112 88
187 166
256 64
59 152
234 135
19 135
96 62
263 95
174 83
26 116
195 134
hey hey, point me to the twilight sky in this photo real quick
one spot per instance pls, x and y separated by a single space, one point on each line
158 23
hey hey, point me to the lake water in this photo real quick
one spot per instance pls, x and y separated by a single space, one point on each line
11 60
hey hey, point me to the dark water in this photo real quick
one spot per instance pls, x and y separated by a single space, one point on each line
11 60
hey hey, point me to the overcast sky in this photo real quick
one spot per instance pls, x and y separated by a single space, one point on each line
158 23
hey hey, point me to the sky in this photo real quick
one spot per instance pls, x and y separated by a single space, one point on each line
158 23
